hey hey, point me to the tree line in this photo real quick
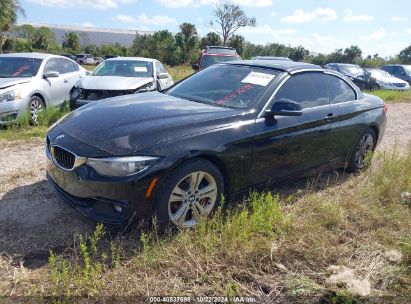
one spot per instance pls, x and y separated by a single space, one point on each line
175 49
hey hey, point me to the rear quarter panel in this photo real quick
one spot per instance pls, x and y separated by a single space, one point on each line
355 117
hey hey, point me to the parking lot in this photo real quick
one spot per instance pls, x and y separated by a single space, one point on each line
34 220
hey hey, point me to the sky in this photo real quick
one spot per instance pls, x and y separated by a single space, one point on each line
376 26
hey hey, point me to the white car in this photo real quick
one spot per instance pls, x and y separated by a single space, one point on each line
121 76
386 81
32 81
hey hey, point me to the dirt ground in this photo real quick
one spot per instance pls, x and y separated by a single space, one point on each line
34 220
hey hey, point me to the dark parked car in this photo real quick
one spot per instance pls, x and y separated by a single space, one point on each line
215 54
221 131
358 75
400 71
271 58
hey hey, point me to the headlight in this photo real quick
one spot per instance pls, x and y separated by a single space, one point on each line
120 166
76 93
10 96
146 87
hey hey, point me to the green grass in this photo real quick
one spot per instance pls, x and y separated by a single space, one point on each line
347 221
180 72
393 96
89 67
24 130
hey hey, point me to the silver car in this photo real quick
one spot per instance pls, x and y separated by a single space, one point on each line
121 76
33 81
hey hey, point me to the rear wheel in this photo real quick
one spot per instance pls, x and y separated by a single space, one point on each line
189 194
365 145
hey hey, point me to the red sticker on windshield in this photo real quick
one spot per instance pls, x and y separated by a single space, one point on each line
246 87
20 70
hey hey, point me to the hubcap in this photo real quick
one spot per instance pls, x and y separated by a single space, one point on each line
365 146
192 198
36 106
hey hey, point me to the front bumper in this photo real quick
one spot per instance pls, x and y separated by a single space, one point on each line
9 111
96 198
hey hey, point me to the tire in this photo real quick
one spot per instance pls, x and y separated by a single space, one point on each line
363 147
36 105
179 203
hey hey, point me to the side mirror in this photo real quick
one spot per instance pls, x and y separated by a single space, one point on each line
51 74
88 73
284 107
195 66
163 75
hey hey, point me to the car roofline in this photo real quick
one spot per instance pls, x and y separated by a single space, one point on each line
290 67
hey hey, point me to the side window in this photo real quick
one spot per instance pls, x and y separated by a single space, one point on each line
398 70
339 90
65 66
309 89
157 64
52 66
162 68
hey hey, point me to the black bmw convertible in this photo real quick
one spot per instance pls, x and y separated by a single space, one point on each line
229 128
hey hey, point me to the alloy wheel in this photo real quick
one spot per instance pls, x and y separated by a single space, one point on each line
193 198
365 146
36 106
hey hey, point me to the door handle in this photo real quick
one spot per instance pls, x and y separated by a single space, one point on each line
330 116
65 81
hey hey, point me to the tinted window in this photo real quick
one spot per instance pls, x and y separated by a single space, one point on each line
398 70
226 85
210 60
389 69
340 91
11 67
308 89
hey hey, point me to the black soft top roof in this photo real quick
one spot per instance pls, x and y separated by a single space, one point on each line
285 66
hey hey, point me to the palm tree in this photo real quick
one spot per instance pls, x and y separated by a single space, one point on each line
9 9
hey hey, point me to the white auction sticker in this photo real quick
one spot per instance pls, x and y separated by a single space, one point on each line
138 69
261 79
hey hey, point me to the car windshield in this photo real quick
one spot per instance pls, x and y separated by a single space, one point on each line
351 69
125 68
14 67
380 73
230 86
210 60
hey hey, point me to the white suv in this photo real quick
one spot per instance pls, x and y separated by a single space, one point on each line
85 59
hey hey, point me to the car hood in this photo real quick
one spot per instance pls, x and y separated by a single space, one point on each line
128 124
113 83
389 79
9 82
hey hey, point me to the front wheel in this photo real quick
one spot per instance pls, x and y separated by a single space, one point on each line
189 194
365 145
36 106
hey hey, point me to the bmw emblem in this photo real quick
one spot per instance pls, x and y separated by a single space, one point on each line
61 136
